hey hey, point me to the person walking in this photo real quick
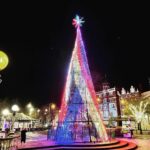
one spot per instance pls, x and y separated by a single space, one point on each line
131 131
23 135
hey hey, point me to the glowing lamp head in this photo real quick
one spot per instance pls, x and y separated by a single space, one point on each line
5 112
46 125
3 60
53 106
31 109
29 105
15 108
38 110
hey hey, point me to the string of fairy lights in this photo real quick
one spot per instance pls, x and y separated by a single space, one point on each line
79 90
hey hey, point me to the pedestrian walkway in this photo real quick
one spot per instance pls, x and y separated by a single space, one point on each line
114 144
142 140
35 139
37 144
39 139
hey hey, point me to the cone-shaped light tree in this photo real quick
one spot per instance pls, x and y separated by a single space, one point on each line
79 117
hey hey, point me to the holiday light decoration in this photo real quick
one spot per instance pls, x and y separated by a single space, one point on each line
138 111
79 117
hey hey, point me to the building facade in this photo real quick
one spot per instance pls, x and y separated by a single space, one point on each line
111 102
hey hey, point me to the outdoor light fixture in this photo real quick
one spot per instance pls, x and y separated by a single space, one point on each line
29 105
53 106
15 108
5 112
38 110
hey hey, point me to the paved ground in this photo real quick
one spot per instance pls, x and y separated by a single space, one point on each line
35 139
143 144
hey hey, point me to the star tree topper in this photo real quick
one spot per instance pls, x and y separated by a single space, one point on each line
77 21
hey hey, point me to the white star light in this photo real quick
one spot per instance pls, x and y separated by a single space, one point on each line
77 21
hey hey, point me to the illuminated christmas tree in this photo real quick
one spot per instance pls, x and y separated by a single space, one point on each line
79 117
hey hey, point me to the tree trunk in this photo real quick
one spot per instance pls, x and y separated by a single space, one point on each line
140 128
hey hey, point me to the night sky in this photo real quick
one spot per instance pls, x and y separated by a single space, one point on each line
39 39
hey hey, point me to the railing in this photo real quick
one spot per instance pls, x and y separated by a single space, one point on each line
9 143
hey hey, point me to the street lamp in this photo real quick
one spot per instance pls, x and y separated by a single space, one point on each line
45 113
31 110
29 105
52 108
38 110
5 112
38 113
15 108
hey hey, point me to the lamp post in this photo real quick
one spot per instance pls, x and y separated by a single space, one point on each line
38 113
52 108
31 112
45 118
5 112
118 107
15 108
30 109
